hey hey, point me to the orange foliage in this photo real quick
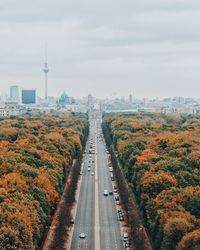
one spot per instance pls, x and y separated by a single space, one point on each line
45 183
147 155
121 145
190 241
55 136
33 155
13 181
160 156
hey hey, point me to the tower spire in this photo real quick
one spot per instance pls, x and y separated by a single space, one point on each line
46 70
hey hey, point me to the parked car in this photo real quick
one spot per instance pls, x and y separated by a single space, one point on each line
117 198
125 236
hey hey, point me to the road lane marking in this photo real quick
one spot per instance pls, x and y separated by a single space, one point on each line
97 225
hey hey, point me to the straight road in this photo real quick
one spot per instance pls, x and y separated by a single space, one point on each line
96 214
109 225
84 221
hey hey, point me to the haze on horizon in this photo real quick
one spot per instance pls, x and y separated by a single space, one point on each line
148 48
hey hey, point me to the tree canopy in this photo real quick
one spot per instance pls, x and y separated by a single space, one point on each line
160 157
36 154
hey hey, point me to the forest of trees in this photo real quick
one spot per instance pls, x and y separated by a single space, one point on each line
36 154
160 158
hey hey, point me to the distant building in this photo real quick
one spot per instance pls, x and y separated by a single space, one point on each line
8 109
14 93
76 108
179 99
52 100
90 99
63 99
90 102
122 100
28 96
130 99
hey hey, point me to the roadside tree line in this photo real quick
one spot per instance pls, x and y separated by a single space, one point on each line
63 219
160 157
139 234
36 154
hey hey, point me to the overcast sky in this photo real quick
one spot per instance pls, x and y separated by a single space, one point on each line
150 48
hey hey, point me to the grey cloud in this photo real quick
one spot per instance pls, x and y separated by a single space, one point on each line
102 46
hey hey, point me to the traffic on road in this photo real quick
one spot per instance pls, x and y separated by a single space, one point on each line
98 213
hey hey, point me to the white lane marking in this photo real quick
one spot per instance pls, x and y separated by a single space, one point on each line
96 212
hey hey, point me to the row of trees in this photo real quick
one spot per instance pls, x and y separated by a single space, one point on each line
138 232
35 158
160 157
62 217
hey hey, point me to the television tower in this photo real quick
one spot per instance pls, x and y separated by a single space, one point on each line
46 70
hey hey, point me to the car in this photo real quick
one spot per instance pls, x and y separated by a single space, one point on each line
120 215
105 192
88 169
117 198
115 190
72 221
125 236
111 192
117 202
121 218
82 236
92 173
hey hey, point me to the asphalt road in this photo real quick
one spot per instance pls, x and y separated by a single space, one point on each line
96 217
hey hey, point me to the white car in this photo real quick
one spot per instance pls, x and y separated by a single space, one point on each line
82 236
105 192
92 173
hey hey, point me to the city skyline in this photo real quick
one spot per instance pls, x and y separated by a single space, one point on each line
7 95
148 49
